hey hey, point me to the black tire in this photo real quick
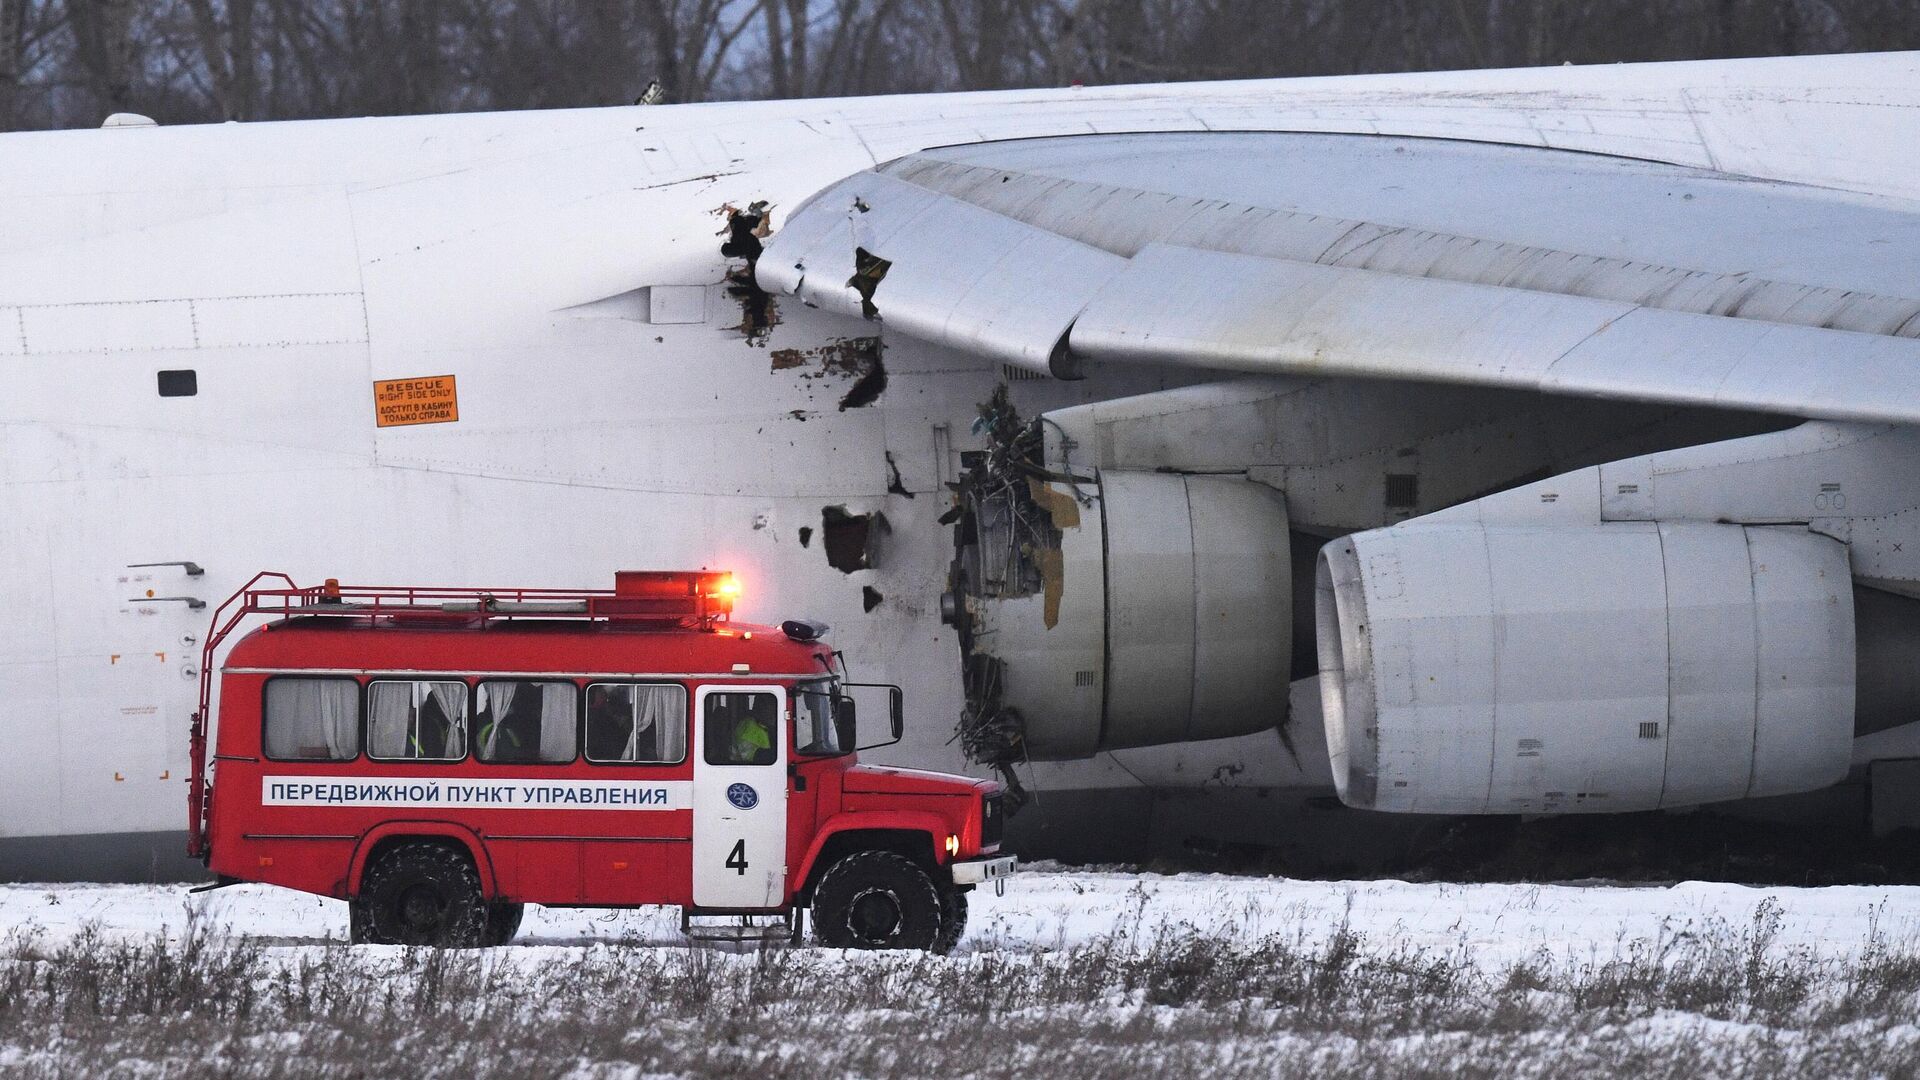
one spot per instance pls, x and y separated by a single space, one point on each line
424 894
953 919
503 921
876 900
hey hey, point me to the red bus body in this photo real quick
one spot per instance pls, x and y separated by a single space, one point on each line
316 825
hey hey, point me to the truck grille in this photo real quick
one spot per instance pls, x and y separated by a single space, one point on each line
991 820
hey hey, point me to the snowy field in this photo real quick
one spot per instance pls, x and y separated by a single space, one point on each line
1069 974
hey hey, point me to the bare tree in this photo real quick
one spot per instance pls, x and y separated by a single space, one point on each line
692 41
68 62
106 50
13 59
839 47
979 38
870 46
786 27
230 54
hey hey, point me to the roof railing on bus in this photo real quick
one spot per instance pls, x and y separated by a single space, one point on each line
691 599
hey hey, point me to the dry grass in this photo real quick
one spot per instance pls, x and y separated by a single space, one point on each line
1724 1002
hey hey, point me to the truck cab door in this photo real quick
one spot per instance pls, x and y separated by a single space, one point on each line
740 797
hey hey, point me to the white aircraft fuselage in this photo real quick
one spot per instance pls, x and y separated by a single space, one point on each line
624 397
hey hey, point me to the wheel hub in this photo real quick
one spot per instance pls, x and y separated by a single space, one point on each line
422 908
875 916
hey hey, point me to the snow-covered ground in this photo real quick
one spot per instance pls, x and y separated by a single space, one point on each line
1070 974
1493 926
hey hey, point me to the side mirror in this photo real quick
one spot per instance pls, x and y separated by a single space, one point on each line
896 711
845 724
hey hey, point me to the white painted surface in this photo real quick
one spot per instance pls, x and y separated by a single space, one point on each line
753 836
677 305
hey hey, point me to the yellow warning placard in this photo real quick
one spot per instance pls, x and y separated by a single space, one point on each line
430 399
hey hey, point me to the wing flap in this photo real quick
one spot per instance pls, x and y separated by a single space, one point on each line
1245 313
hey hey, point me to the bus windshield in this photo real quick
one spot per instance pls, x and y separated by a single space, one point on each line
814 731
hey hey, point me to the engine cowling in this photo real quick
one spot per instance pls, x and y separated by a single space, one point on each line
1137 609
1474 668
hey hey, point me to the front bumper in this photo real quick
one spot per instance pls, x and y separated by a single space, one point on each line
994 868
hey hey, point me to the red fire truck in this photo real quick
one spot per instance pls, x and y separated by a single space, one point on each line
441 757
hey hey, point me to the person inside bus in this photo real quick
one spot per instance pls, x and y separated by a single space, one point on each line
752 742
510 722
609 723
433 736
736 732
419 720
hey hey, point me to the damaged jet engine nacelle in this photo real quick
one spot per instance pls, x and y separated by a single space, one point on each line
1484 669
1137 609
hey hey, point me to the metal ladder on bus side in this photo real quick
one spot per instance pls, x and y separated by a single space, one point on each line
734 927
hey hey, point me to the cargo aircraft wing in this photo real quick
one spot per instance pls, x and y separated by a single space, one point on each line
1392 257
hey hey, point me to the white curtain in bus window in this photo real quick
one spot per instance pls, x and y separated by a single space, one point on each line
661 713
521 721
422 721
492 712
313 719
558 707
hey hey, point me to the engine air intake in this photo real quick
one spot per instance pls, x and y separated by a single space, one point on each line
1133 609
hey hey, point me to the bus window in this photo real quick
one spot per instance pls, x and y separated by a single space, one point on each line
524 722
637 723
312 719
741 728
417 721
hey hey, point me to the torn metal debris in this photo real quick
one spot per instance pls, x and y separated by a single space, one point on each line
744 231
856 358
868 271
1007 543
868 388
847 357
990 733
1011 515
895 486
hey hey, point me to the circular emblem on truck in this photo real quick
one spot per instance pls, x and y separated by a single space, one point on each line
743 796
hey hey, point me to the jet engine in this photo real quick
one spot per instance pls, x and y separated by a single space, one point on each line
1126 609
1477 668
